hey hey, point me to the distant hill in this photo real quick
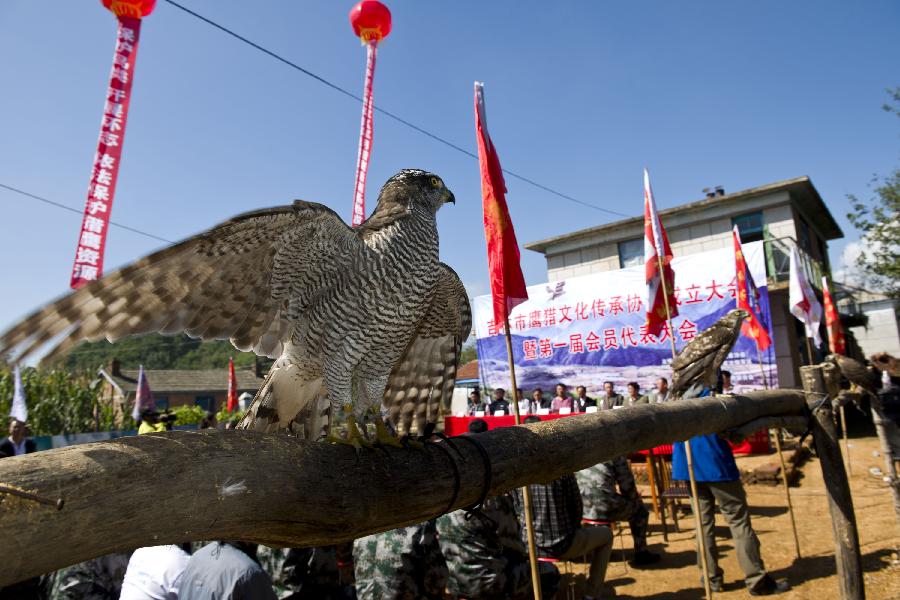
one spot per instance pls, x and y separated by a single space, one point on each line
156 352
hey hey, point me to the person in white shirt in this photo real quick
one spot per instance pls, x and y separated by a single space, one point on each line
727 388
661 393
154 573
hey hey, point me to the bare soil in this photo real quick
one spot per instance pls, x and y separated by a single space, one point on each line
812 576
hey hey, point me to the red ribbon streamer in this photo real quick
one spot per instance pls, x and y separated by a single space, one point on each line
365 139
92 239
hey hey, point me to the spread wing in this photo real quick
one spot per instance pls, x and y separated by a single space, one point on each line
422 381
245 280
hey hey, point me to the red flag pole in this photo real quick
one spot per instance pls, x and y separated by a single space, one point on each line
695 507
526 493
836 345
742 301
507 282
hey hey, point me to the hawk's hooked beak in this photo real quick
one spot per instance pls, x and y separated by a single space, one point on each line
449 197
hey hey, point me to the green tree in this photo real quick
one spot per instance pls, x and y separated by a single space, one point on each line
879 222
156 352
467 354
58 402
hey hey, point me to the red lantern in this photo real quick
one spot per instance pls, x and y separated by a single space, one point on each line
135 9
371 20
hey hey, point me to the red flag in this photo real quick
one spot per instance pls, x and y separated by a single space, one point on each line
507 282
232 403
748 297
656 248
836 342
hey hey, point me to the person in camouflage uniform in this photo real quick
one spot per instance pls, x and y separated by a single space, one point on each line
401 564
304 573
486 556
603 502
97 579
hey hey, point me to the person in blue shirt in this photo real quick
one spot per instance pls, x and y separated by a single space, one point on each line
719 482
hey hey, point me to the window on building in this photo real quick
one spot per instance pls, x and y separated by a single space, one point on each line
803 237
207 403
631 253
162 403
750 226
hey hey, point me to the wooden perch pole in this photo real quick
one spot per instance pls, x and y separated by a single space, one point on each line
886 428
837 486
180 486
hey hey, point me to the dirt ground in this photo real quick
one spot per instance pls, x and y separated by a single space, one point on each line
813 576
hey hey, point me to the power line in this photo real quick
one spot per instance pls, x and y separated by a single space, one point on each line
79 212
386 113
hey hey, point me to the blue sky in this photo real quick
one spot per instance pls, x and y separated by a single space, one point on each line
580 97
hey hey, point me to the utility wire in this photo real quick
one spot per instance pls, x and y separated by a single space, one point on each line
386 113
79 212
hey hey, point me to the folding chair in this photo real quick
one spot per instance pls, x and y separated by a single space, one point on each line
672 491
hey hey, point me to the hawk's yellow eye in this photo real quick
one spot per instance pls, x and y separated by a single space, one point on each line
436 182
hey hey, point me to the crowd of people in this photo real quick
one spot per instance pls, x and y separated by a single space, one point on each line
478 553
563 402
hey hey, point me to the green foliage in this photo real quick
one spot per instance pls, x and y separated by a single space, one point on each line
188 415
156 352
467 354
58 402
223 416
879 222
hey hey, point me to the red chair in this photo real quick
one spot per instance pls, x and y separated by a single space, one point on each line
616 531
570 588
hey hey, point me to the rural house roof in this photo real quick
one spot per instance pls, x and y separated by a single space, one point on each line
184 381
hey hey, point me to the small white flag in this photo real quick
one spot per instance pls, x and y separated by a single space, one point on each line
802 300
19 410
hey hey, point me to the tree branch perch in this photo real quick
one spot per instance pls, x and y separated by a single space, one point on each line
183 485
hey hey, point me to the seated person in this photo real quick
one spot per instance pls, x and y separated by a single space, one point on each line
727 386
582 399
558 533
155 572
399 564
150 422
661 393
538 401
562 399
610 398
475 404
225 570
485 554
499 403
634 395
478 426
602 502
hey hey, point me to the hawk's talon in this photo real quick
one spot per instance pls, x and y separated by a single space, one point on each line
384 436
411 443
354 437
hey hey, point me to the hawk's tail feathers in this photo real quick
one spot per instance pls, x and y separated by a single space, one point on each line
288 402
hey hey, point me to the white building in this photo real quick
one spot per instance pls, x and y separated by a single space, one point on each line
784 214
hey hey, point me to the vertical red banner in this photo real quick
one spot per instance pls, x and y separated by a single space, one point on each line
92 238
